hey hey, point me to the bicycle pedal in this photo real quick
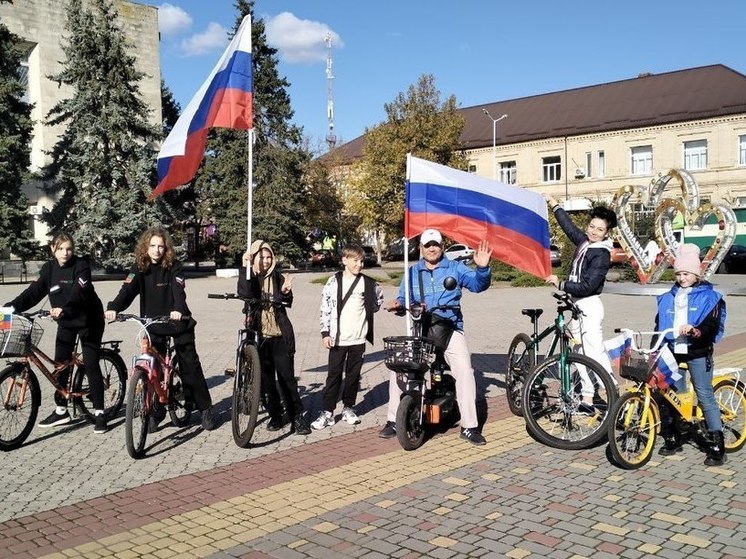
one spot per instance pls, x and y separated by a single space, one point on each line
230 372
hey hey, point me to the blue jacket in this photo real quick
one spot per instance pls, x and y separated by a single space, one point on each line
475 280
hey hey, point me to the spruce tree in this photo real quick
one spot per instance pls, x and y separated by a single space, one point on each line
103 165
15 149
279 162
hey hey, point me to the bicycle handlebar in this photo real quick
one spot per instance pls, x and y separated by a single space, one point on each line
147 320
250 300
636 337
565 299
40 313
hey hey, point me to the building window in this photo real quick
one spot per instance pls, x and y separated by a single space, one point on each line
695 155
551 168
601 164
472 168
588 161
742 150
23 75
642 160
507 172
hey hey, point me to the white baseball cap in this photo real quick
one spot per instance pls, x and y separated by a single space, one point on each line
431 235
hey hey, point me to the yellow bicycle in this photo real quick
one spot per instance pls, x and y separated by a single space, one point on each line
635 416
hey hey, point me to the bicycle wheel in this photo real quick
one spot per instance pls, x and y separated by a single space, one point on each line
178 408
521 357
139 400
246 391
731 399
555 416
20 397
114 375
632 430
409 428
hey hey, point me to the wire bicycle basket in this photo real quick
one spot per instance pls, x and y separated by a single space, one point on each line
18 335
408 353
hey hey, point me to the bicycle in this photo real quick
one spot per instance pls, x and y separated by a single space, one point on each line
523 352
154 380
19 386
636 418
552 398
247 377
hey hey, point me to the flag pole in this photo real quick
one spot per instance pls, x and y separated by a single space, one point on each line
250 196
406 246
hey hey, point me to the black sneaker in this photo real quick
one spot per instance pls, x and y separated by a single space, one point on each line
275 424
208 420
101 424
301 426
153 423
473 436
388 431
586 409
55 420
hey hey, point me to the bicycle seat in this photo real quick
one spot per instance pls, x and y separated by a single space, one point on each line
533 313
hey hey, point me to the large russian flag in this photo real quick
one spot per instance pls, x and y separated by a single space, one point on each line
468 208
224 100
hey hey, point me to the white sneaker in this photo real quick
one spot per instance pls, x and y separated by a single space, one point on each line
325 419
349 415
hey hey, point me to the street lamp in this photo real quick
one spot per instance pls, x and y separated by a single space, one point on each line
494 140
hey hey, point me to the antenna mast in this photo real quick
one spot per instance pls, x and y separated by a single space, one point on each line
331 139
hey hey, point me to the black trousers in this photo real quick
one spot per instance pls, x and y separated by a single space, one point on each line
350 360
90 341
278 368
195 386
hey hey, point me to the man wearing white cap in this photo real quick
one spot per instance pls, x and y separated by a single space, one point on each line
426 286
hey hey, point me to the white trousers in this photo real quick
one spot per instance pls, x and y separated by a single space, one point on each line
588 328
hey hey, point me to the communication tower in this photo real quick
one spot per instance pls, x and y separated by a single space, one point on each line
331 139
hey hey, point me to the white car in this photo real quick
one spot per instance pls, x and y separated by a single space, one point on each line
460 252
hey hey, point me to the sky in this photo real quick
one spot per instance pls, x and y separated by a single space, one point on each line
480 51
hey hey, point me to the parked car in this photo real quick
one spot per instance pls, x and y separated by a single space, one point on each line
324 258
369 257
460 252
618 255
396 250
733 263
554 255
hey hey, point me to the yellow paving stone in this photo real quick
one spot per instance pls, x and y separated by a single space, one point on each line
126 555
200 530
222 534
521 470
620 514
442 541
649 548
386 503
612 498
143 549
366 529
582 466
690 540
440 511
679 498
457 481
670 518
297 543
165 553
491 477
115 538
325 527
493 515
728 484
518 553
56 556
200 541
180 548
205 551
578 557
457 497
720 470
618 530
615 478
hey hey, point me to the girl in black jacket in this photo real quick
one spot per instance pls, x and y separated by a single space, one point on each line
66 279
158 279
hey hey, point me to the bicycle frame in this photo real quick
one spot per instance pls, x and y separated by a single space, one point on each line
158 367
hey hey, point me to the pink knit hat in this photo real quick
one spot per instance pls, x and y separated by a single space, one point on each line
688 260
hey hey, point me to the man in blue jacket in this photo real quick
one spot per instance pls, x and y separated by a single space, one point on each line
426 286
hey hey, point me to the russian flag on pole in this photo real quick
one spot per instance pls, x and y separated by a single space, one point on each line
619 349
468 208
224 100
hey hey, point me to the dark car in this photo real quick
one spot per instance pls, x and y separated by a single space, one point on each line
324 258
733 263
554 255
396 250
369 257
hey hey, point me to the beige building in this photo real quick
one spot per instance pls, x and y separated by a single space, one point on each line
41 24
589 142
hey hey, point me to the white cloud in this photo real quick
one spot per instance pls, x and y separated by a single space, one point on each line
215 37
172 20
299 40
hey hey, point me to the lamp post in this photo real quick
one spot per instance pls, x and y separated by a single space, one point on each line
494 140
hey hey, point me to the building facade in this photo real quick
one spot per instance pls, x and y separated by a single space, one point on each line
41 25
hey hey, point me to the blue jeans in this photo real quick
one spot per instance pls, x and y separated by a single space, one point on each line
700 370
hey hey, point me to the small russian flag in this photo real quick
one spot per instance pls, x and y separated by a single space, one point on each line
6 318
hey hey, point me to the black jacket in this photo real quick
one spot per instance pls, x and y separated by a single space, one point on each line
69 288
592 267
252 289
